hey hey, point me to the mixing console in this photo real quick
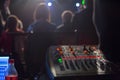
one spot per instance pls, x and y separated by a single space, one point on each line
75 60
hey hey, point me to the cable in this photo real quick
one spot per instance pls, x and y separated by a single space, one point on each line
93 18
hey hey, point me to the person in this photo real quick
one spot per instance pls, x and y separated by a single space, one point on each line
41 20
4 9
12 42
66 25
4 13
11 26
39 40
85 26
65 32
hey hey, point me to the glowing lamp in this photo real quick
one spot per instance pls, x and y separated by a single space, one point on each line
49 4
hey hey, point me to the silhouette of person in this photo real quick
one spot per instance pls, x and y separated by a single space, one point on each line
41 20
4 13
39 40
65 32
66 25
4 8
12 42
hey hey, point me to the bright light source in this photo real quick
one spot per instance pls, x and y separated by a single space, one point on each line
83 2
49 4
77 4
60 60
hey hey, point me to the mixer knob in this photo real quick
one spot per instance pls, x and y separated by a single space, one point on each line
59 60
70 48
59 49
92 48
85 50
60 52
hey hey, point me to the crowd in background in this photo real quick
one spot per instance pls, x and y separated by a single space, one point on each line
16 43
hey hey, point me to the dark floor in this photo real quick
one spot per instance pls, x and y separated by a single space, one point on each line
108 77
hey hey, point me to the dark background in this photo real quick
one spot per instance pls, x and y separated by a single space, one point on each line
108 24
107 17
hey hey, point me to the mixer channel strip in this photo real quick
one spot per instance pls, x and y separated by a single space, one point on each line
81 65
75 62
78 65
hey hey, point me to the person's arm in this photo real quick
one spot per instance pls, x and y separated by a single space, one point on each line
1 24
6 6
29 29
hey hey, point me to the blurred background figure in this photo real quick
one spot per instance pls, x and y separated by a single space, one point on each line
4 8
4 13
12 43
41 20
66 25
39 40
65 32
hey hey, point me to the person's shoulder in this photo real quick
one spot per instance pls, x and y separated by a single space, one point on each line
52 25
60 26
33 23
31 26
80 12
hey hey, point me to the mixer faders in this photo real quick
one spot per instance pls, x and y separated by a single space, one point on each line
73 60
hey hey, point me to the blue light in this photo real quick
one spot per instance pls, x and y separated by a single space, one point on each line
49 4
77 4
3 66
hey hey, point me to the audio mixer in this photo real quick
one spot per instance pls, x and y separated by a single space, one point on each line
73 60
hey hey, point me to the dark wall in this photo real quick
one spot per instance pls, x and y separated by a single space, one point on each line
108 23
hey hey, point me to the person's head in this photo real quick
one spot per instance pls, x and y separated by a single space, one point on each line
12 23
42 12
67 16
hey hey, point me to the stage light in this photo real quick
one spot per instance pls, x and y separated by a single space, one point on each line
83 2
49 4
77 4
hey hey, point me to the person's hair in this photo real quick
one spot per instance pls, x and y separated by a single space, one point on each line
20 24
11 23
67 16
42 12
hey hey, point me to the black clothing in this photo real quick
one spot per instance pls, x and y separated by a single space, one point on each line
41 26
66 27
65 34
37 45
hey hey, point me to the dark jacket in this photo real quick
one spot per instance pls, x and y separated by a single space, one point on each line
37 44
